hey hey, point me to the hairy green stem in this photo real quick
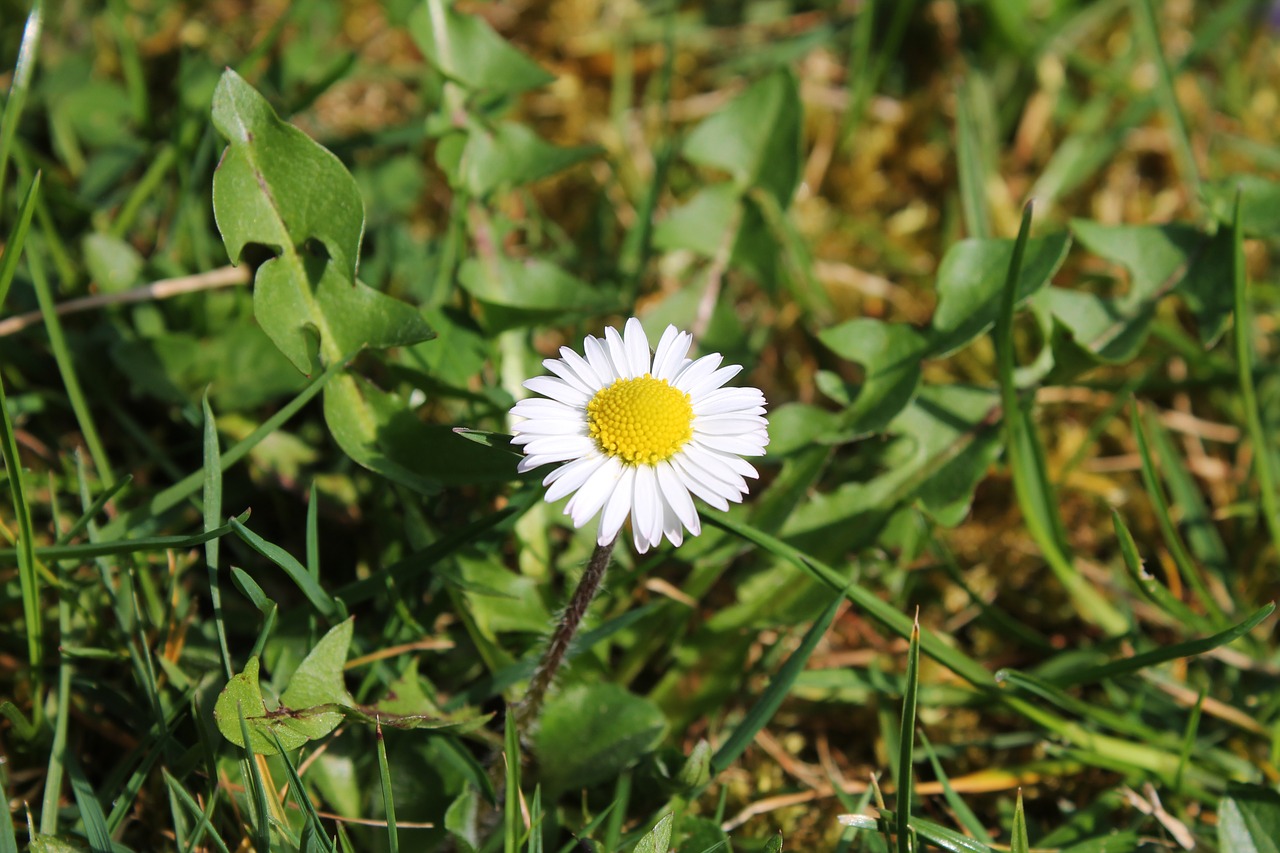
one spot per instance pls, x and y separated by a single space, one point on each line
531 706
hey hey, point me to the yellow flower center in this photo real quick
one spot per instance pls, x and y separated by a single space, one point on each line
642 421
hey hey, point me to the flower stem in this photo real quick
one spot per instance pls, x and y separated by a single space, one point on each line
530 707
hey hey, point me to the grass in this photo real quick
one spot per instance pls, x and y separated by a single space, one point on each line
1002 271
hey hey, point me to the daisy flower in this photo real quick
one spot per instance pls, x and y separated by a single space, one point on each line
636 434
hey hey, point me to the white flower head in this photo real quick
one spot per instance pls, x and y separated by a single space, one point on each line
635 434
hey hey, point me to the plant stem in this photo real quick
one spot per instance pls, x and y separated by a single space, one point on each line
531 706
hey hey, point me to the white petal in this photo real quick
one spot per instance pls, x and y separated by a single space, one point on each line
715 466
669 356
672 527
618 352
595 492
557 389
564 446
734 424
618 507
696 371
551 426
646 518
726 400
598 358
696 484
637 345
562 369
715 380
583 369
541 407
675 497
570 477
741 445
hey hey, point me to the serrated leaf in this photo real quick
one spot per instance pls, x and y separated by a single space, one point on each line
756 138
658 839
591 733
278 188
511 156
465 49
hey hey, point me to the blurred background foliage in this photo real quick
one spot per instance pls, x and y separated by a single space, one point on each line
826 192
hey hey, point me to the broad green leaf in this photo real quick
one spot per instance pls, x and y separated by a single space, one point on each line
112 262
318 679
755 138
511 156
658 839
377 430
890 353
465 49
591 733
1249 820
529 292
1259 203
701 223
293 727
277 188
971 278
1160 260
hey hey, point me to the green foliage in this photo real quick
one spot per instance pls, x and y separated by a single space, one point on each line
417 214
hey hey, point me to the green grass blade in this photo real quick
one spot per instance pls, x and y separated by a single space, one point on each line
884 613
259 822
1150 587
92 510
1263 459
66 366
1186 568
21 84
8 837
1027 466
1189 740
1019 843
1149 32
205 825
17 238
779 686
212 515
1124 666
302 798
512 825
907 739
972 155
194 482
1197 524
95 822
28 580
313 533
388 794
9 556
297 573
955 802
934 833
